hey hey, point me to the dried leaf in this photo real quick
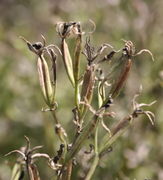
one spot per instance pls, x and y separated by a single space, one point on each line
145 50
38 155
150 116
17 151
106 128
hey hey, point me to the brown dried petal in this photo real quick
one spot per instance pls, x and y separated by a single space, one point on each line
17 151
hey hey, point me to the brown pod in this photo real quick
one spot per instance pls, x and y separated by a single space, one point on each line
87 87
122 79
45 81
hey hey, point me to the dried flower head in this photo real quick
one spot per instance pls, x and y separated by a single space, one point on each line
129 50
65 29
138 110
48 89
29 157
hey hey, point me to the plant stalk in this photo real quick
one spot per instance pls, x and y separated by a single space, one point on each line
118 130
81 138
96 158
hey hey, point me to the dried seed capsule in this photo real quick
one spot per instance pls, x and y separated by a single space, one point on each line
67 61
87 86
76 61
65 29
45 82
121 79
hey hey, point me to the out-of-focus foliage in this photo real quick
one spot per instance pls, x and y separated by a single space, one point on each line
138 155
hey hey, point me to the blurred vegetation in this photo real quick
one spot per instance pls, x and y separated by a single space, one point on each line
138 154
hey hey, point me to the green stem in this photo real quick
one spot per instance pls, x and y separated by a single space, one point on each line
81 138
69 171
96 158
118 130
28 171
77 95
55 117
60 135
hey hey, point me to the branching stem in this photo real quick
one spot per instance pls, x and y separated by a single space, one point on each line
96 158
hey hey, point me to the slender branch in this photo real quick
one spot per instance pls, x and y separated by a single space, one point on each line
118 130
60 131
56 121
28 171
69 171
82 137
96 158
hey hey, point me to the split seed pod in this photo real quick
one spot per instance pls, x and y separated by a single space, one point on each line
128 52
76 61
48 89
87 87
65 30
101 94
124 66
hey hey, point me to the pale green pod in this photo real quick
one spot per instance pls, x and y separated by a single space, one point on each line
77 53
101 94
45 81
67 61
16 171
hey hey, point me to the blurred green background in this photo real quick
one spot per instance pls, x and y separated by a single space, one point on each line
139 153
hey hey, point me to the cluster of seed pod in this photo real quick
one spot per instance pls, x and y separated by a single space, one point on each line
84 84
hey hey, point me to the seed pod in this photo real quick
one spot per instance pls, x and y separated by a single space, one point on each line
45 82
33 172
128 52
77 58
53 58
120 72
101 94
122 79
66 29
76 61
67 61
87 87
17 172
